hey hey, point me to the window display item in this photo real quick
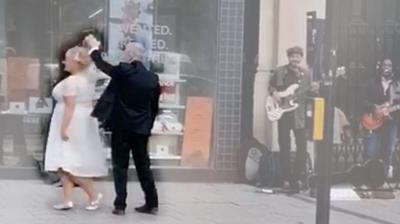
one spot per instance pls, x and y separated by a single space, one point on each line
167 121
170 62
168 92
162 150
16 108
40 105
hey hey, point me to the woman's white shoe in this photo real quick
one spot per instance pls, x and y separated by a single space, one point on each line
64 206
94 205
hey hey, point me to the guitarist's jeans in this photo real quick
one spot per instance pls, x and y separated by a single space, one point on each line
285 125
381 143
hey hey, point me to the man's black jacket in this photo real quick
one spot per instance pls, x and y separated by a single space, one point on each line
130 102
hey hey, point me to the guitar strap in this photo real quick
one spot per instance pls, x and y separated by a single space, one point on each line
280 75
395 93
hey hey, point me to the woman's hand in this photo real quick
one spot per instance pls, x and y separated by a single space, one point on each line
64 135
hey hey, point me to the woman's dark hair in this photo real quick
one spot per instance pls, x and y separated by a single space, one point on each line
77 41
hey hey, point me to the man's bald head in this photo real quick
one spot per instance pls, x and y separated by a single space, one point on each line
134 51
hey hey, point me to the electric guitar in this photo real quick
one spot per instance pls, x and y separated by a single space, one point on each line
288 101
275 109
372 121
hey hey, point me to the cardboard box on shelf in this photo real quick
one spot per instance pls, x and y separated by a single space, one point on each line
23 73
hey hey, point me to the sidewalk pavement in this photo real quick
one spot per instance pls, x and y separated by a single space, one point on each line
29 202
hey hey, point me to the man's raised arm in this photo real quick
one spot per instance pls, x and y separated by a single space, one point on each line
94 51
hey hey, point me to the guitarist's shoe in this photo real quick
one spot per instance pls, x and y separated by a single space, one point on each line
390 172
294 187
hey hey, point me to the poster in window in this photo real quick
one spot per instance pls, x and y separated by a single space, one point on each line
197 134
3 77
23 73
130 21
3 81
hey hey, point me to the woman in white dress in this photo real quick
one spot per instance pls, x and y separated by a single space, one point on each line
74 149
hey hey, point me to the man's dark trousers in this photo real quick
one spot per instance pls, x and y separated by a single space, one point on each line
123 143
289 173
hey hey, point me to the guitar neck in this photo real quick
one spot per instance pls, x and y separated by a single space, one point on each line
303 91
298 91
394 108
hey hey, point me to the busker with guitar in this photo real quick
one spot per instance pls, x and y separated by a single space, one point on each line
286 79
380 119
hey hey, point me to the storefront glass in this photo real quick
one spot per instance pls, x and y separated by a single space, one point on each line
26 45
180 37
185 42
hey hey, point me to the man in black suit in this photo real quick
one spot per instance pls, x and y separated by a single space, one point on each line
133 95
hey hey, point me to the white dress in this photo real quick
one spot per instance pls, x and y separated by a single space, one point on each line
83 155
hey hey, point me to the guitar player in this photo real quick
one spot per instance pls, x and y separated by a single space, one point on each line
380 143
283 77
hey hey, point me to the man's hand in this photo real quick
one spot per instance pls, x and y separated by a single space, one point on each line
383 110
346 134
91 42
276 97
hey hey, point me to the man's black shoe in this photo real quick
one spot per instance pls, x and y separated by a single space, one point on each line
147 210
118 211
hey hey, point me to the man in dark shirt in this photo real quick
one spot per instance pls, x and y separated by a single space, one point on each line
283 77
384 88
133 94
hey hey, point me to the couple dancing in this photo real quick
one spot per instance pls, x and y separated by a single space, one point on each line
128 105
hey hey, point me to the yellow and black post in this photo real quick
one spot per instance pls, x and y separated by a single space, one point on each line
323 147
315 118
